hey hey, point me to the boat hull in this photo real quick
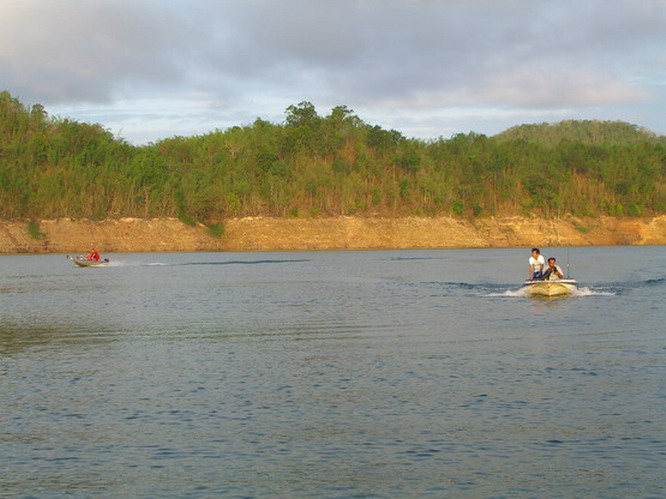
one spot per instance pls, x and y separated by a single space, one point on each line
550 288
82 262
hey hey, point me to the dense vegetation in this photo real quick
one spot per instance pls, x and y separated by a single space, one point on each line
335 165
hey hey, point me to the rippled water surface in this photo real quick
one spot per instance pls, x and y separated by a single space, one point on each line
332 374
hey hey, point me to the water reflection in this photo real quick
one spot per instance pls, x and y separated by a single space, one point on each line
15 339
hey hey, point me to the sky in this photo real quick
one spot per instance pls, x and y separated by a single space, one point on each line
152 69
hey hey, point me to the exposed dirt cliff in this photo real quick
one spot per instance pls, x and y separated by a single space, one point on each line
265 234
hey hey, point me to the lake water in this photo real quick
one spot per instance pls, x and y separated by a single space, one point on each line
332 374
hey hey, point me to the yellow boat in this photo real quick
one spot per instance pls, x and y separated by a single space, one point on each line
556 287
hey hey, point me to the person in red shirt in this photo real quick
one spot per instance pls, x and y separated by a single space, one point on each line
93 256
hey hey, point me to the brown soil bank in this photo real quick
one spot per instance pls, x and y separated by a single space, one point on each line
265 234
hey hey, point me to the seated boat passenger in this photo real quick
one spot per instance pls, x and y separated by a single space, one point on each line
93 256
553 271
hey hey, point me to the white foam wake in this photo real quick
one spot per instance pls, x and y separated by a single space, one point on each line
122 263
510 293
584 291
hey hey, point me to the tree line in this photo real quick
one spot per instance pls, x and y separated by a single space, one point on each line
312 165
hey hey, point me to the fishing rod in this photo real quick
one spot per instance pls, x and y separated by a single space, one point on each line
568 270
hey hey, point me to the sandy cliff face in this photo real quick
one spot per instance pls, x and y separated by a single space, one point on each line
265 234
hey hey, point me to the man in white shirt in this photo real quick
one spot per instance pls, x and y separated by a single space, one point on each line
537 264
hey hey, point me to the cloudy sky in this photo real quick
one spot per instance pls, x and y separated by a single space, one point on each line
152 69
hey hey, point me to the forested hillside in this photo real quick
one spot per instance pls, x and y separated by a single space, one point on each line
587 131
313 165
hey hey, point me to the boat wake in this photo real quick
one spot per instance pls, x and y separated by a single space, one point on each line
509 293
582 291
586 291
125 263
241 262
649 283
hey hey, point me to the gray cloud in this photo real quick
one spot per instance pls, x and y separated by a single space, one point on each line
71 50
378 55
401 49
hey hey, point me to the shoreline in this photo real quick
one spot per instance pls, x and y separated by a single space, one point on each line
137 235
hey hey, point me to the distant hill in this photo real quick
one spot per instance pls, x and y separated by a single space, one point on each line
584 131
317 166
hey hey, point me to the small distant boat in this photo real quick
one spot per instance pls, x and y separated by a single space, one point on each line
556 287
81 261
